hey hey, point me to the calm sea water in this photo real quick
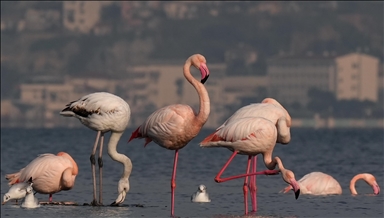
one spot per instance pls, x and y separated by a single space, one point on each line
341 153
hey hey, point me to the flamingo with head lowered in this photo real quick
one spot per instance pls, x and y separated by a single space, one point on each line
252 130
318 183
104 112
173 126
269 109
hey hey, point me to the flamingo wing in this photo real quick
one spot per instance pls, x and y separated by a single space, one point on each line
242 129
99 111
166 123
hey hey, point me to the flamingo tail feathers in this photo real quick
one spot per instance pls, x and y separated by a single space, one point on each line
13 178
211 138
135 134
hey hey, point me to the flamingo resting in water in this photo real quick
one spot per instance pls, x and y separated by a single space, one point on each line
272 110
318 183
50 173
104 112
173 126
250 136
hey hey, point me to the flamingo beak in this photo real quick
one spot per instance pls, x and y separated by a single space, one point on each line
296 187
120 199
204 72
376 189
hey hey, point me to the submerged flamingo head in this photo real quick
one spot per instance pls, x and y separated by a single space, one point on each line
200 63
371 180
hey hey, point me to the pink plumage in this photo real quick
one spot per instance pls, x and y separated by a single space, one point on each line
50 173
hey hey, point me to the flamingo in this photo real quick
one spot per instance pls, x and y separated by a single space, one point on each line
272 110
173 126
30 201
250 136
17 191
201 195
104 112
318 183
51 173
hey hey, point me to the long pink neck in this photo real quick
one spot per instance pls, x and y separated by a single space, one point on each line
271 163
204 103
352 184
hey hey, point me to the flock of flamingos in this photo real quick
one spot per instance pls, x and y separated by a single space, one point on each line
252 130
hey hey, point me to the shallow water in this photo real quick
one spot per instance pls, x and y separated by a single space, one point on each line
341 153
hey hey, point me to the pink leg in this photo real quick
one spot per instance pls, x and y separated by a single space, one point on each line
253 187
245 186
218 179
173 183
50 198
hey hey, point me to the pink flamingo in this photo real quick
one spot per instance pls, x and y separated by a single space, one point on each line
50 173
272 110
250 136
318 183
173 126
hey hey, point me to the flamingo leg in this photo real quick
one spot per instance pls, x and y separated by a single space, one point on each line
92 159
245 186
252 185
100 163
219 180
173 182
50 198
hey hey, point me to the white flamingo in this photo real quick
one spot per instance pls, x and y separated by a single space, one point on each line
250 136
104 112
173 126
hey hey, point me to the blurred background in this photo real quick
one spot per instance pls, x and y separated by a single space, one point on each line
322 60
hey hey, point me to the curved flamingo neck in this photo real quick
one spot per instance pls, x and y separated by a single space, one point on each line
112 152
204 103
75 168
271 163
352 184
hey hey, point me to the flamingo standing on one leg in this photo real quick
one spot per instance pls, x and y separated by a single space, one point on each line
318 183
104 112
272 110
250 136
172 127
50 173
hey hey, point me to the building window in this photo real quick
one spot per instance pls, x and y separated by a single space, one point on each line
71 16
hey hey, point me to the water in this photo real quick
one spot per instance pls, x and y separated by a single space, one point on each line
341 153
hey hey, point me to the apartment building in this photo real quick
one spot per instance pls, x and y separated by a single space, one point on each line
291 77
350 76
357 77
82 16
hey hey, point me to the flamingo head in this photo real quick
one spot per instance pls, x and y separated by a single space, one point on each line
122 189
371 180
289 177
200 63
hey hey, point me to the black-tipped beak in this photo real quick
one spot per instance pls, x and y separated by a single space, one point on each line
114 204
297 193
204 79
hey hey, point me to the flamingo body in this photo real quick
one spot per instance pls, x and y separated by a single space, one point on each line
104 112
51 173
